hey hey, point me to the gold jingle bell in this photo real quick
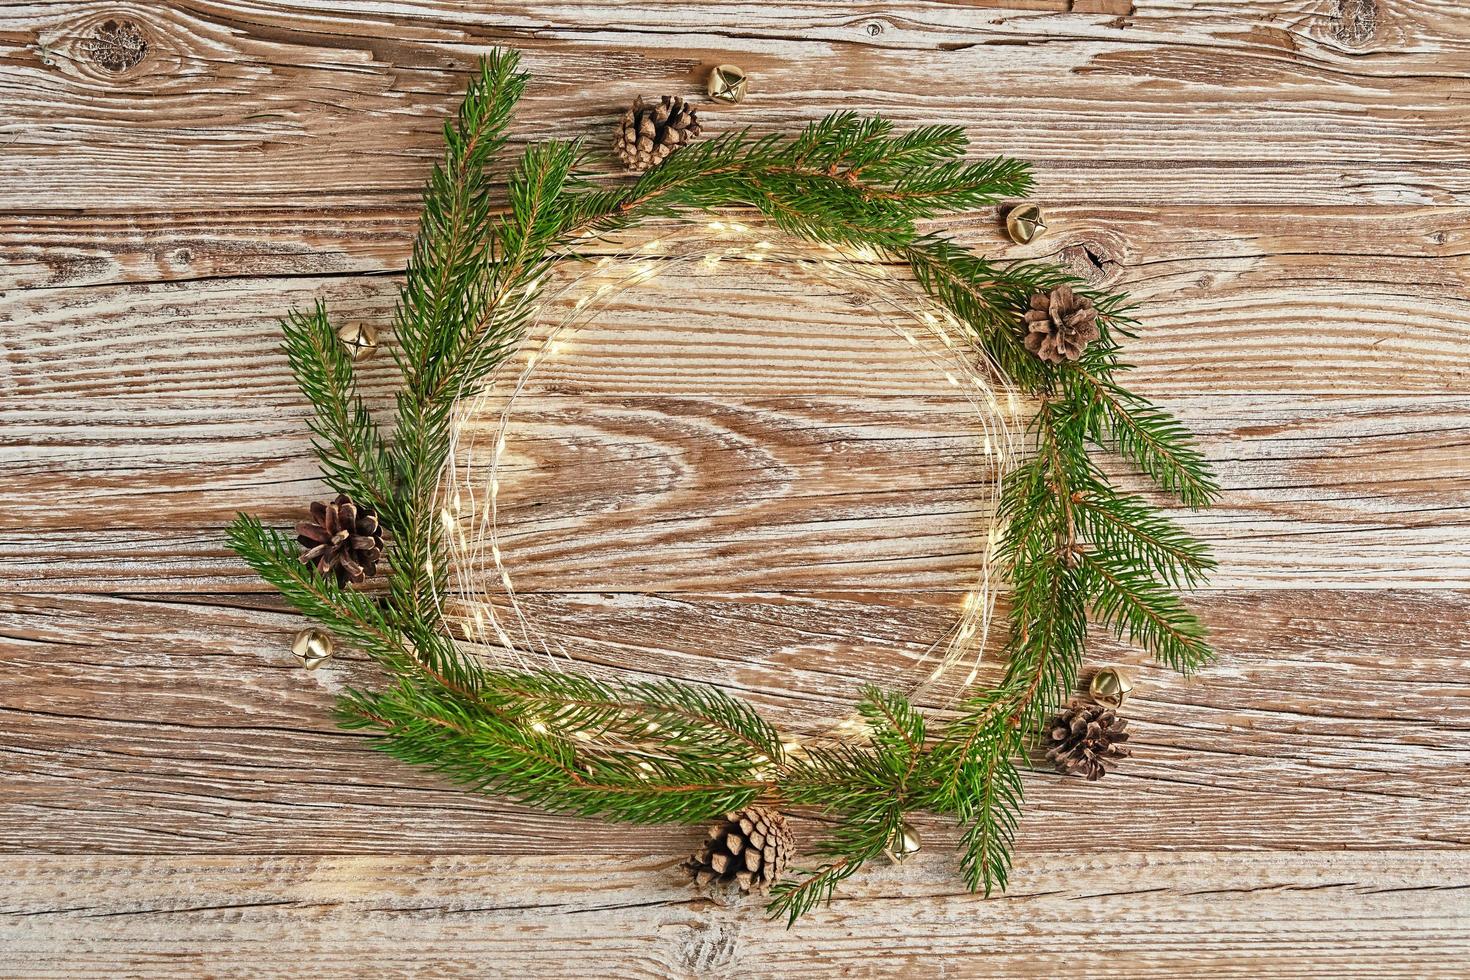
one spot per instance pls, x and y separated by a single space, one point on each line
1110 687
359 339
727 83
1025 223
312 647
904 844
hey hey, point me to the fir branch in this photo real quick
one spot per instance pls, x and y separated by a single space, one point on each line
971 777
867 789
347 444
897 730
424 724
1129 526
850 846
449 251
1156 442
1129 596
864 790
652 714
498 301
406 648
991 809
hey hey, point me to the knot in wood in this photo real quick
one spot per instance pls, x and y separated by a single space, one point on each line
117 45
1355 22
1094 261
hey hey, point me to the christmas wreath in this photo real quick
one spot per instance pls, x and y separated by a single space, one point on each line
661 751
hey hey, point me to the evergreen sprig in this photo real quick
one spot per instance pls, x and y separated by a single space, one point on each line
648 751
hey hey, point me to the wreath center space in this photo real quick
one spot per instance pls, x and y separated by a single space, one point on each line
923 349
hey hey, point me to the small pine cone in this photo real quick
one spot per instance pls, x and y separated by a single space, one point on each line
1060 325
748 849
342 538
648 133
1087 738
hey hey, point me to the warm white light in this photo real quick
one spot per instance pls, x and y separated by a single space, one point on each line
859 273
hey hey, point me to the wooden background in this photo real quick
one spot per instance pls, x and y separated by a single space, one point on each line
732 480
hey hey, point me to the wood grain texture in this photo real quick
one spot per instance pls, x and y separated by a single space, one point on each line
184 715
1301 915
738 480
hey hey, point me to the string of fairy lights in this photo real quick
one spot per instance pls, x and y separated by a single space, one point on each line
481 608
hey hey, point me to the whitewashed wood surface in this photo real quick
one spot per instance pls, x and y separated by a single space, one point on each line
728 479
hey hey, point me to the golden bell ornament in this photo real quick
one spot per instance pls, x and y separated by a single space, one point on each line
360 340
312 647
727 83
1110 687
1025 223
904 844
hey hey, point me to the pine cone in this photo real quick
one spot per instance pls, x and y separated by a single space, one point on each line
343 538
649 133
1060 325
749 849
1087 738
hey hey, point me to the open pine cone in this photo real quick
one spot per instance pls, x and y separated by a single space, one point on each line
1059 325
342 538
649 132
748 849
1087 739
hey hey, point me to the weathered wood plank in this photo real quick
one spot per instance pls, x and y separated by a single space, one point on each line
173 725
811 493
219 339
1281 185
1192 914
311 103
